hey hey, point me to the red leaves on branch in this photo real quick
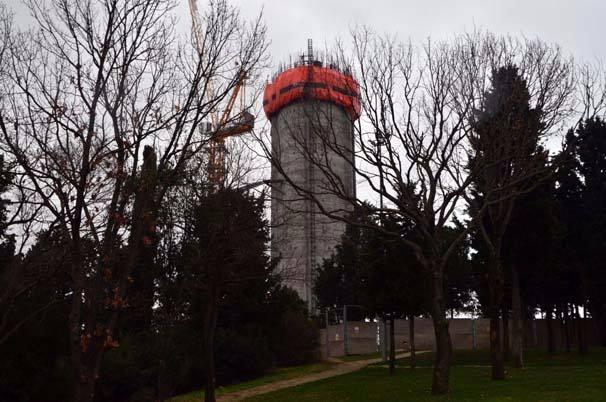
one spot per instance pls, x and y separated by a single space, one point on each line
107 273
119 219
110 343
84 342
100 334
117 302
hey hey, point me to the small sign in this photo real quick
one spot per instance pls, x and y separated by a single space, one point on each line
356 330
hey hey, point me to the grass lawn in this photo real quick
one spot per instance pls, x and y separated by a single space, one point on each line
279 374
356 358
564 377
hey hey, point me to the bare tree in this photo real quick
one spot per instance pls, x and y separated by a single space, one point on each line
409 148
104 109
6 25
412 144
18 275
592 90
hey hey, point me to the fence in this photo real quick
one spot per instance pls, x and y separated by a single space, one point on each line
359 337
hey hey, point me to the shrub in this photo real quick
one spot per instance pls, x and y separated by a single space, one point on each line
241 356
295 338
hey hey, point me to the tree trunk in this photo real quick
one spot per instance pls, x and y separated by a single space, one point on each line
84 390
601 317
517 333
496 352
209 347
506 341
384 340
551 348
89 368
392 345
81 343
560 315
441 369
411 338
533 327
161 388
496 298
580 332
575 312
566 313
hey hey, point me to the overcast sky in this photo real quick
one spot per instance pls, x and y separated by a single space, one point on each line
578 25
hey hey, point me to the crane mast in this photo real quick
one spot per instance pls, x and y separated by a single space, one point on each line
197 26
223 128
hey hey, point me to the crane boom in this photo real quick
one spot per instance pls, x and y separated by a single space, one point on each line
232 99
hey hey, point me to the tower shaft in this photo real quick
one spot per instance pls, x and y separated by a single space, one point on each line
312 110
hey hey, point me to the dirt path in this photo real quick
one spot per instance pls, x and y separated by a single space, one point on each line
338 369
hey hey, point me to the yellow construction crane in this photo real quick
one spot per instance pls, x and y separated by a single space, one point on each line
223 128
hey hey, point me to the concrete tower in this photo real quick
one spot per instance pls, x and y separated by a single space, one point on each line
310 105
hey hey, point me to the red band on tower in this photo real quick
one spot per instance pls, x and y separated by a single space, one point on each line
312 82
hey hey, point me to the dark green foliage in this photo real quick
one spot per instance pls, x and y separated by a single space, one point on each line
458 274
295 339
556 234
260 323
226 242
34 360
6 179
224 252
122 372
591 148
241 356
381 273
506 136
390 279
7 241
506 163
34 366
532 243
336 281
582 196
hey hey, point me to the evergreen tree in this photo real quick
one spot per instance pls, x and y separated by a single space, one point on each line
588 221
224 249
506 163
380 273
